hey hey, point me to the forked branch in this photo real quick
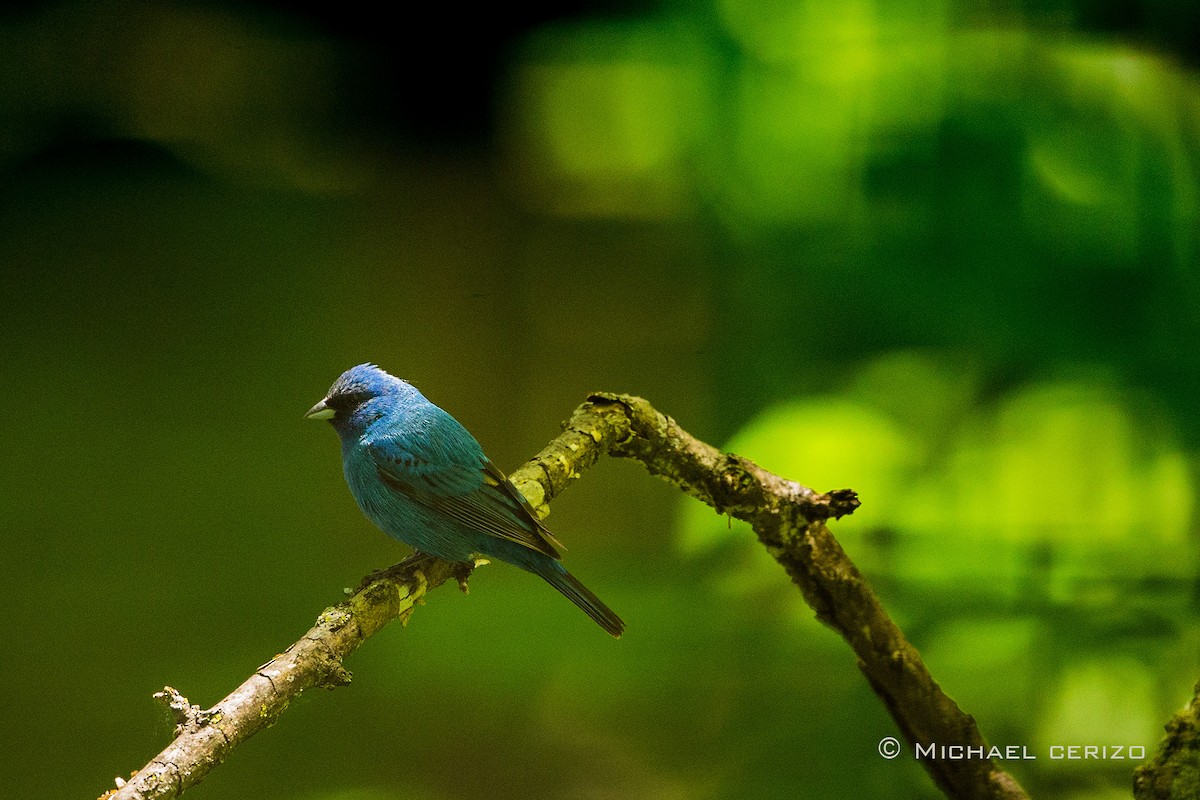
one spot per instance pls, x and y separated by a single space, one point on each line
788 518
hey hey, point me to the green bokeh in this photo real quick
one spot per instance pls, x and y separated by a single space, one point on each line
941 255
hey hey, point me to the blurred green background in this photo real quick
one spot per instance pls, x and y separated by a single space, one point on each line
942 253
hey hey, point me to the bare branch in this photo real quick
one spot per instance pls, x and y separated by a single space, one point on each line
788 518
203 739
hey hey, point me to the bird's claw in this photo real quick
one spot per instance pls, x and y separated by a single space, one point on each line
462 572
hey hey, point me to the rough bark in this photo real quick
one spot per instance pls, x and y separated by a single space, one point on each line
788 518
1174 772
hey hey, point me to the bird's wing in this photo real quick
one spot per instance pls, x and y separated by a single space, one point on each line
435 461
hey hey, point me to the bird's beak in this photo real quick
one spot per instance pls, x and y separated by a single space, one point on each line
319 411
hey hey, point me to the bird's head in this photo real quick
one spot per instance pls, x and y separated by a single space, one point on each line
356 398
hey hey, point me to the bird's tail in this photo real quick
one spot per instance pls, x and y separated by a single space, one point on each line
558 577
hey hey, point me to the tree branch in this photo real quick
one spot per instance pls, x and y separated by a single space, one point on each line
788 518
1174 772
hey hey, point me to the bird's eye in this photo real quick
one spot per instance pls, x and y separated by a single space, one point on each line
347 401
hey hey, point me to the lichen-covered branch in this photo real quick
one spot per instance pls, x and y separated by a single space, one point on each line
788 518
203 738
1174 772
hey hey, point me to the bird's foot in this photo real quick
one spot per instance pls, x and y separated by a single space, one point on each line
462 572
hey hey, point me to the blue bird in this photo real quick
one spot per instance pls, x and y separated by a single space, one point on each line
421 477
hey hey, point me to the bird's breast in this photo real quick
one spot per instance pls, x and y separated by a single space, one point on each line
370 493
